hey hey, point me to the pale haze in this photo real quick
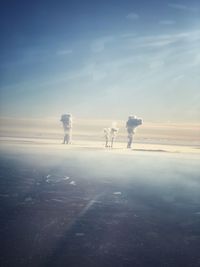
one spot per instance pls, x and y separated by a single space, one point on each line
101 59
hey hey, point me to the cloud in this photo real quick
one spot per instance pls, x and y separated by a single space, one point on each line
167 22
132 16
163 40
181 7
179 77
64 52
157 64
99 44
158 43
197 60
135 61
159 51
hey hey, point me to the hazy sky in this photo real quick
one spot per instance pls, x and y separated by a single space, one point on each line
101 59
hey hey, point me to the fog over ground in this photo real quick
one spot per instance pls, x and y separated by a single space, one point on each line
92 130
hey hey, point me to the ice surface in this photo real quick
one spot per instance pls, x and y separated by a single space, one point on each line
117 193
66 178
54 224
27 199
73 183
80 234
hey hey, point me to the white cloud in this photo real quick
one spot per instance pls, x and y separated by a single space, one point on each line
132 16
99 44
179 77
197 60
177 6
181 7
156 64
158 43
155 57
166 39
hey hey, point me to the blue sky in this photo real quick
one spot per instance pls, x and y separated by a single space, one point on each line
102 59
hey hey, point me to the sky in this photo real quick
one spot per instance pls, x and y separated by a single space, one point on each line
101 59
